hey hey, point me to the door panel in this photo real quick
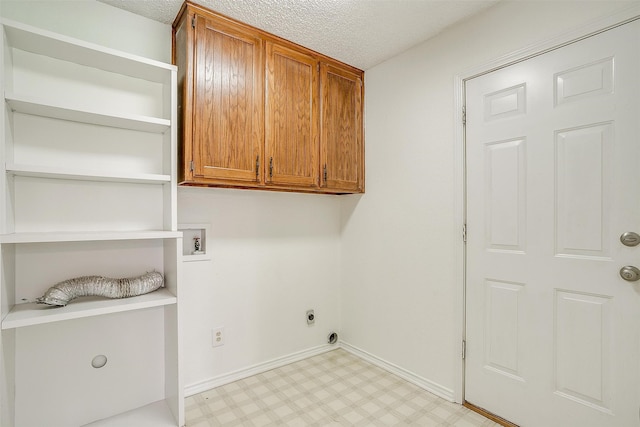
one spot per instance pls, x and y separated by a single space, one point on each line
502 340
227 121
552 149
583 349
583 171
506 195
291 117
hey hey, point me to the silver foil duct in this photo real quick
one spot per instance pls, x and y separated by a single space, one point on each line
63 292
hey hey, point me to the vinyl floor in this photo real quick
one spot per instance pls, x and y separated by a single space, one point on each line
332 389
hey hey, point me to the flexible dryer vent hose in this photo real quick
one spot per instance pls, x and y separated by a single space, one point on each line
63 292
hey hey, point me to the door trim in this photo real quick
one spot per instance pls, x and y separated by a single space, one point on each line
489 415
621 17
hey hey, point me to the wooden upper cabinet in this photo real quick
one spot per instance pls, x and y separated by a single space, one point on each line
227 102
342 150
291 111
223 133
257 111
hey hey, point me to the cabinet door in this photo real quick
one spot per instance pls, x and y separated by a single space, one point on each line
227 102
291 118
342 153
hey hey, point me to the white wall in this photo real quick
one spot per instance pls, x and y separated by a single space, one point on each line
398 241
275 255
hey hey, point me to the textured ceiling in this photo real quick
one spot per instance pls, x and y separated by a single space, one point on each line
361 33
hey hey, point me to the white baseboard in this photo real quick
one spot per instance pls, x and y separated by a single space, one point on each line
230 377
423 383
259 368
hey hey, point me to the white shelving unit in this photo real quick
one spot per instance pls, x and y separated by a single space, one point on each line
85 236
28 314
83 175
31 105
87 187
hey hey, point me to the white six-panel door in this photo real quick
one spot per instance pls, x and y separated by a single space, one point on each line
553 181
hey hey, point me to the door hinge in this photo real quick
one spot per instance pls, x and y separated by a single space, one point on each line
464 233
464 349
193 21
464 115
191 167
324 173
271 167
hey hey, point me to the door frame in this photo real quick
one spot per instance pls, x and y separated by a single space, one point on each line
621 17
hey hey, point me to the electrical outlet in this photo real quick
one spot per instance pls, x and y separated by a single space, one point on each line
311 317
217 335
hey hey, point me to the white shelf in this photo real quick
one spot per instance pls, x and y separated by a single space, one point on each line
30 314
84 175
156 414
86 236
43 42
88 84
37 107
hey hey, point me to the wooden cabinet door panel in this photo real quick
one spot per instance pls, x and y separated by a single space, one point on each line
291 118
342 155
227 115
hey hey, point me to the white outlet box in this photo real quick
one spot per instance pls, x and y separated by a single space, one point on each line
217 335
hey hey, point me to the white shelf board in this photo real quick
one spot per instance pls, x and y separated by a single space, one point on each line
58 110
86 236
43 42
84 175
156 414
30 314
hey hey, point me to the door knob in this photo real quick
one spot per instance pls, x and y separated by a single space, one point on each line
630 273
630 238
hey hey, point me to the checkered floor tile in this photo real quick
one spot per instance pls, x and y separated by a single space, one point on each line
332 389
